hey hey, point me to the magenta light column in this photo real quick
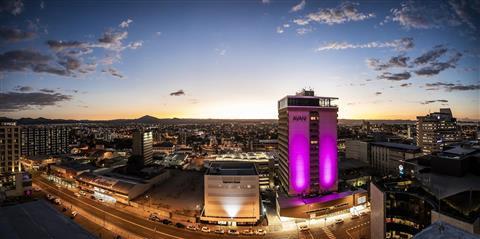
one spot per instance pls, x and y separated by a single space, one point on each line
298 151
327 150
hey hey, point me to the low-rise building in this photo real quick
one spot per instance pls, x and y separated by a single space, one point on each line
264 162
387 157
358 150
232 194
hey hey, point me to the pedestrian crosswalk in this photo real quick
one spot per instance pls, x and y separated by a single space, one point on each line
328 232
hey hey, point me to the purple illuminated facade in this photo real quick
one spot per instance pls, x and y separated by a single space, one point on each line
307 144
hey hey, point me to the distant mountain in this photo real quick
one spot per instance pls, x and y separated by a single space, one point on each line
147 119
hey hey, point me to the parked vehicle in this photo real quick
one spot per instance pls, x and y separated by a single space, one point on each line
74 214
153 217
219 231
233 232
36 189
57 201
248 232
261 232
205 229
167 222
339 221
77 195
179 225
192 228
304 228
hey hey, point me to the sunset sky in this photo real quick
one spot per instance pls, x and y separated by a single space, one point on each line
236 59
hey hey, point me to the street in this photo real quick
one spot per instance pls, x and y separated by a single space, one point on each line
143 228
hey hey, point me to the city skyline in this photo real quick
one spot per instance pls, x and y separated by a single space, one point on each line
233 60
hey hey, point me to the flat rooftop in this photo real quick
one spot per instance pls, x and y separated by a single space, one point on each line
232 168
440 230
407 147
288 202
38 220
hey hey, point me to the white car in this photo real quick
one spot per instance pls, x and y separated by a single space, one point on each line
192 228
304 228
205 229
77 195
261 232
338 221
233 232
248 232
219 231
74 213
57 201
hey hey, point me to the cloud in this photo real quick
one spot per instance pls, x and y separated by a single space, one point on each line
177 93
303 30
14 35
45 90
468 11
30 60
14 7
345 12
23 88
431 55
265 1
451 87
399 45
125 23
42 4
63 45
405 84
435 67
396 61
423 15
300 6
280 30
433 101
378 93
395 76
15 101
115 72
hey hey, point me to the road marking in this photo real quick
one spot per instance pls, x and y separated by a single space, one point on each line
75 199
328 232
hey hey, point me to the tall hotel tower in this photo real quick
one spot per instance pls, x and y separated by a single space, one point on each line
307 136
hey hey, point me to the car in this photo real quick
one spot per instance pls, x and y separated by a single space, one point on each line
74 213
261 232
192 228
339 221
247 232
179 225
233 232
83 193
205 229
58 201
49 196
37 189
77 195
167 222
355 216
153 217
219 231
303 228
